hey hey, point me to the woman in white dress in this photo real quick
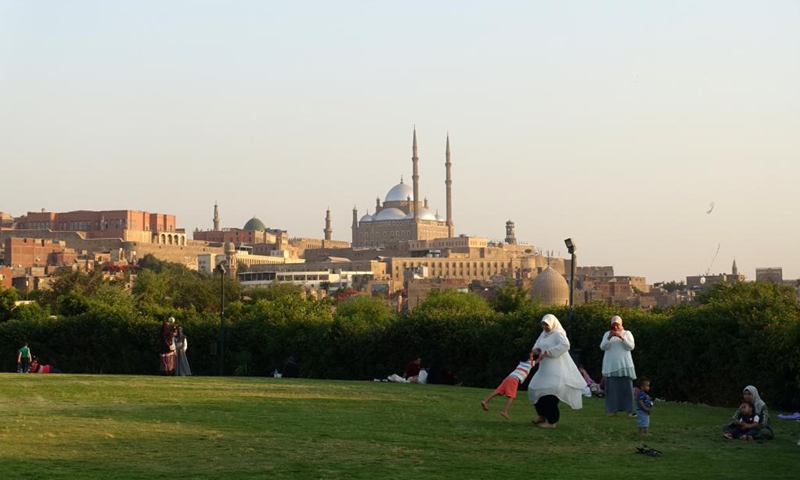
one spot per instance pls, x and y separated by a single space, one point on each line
557 377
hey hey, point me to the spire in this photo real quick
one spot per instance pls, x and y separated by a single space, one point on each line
734 269
448 182
415 176
216 216
328 231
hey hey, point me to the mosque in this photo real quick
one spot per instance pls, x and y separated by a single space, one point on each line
402 216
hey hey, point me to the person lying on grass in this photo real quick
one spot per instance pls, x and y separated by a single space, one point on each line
510 384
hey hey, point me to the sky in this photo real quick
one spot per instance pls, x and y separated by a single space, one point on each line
615 123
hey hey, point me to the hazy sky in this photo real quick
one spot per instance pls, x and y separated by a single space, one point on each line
614 123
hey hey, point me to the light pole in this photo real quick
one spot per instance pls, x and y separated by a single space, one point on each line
571 247
221 272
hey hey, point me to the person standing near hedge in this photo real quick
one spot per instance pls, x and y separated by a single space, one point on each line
557 378
763 431
618 370
166 348
24 359
181 362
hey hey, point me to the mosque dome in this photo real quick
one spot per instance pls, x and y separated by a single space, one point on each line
399 193
426 214
230 248
550 288
390 214
367 218
439 217
254 224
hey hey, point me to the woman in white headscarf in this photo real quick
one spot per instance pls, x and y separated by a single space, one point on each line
618 370
557 377
764 431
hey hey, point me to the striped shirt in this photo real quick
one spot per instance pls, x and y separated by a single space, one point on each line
522 370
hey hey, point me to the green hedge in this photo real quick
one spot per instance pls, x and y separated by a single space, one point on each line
698 354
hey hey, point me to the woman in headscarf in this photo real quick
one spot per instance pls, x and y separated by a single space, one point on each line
764 431
618 370
557 377
181 362
166 348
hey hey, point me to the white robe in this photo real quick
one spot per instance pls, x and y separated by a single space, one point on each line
557 374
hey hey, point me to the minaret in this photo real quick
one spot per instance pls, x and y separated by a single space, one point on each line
448 182
734 269
216 217
355 226
511 236
328 229
415 176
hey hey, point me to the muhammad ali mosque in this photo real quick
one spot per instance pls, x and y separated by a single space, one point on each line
402 216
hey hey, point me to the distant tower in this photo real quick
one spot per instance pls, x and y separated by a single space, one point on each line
216 217
734 269
230 258
328 229
355 225
511 234
415 176
448 182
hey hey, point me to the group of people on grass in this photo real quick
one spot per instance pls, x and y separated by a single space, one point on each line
558 379
172 346
27 363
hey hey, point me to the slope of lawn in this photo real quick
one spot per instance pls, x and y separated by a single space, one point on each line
105 427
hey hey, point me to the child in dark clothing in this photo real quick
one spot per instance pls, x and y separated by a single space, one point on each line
745 426
643 405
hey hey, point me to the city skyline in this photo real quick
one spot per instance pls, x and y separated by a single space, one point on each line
616 124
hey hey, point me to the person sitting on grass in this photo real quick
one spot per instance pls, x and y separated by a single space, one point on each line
746 425
510 384
643 405
763 431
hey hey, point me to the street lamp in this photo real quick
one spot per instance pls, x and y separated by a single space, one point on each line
571 247
221 272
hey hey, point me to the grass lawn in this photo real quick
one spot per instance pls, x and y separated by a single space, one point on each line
87 426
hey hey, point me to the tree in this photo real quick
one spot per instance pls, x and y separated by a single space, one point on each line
672 286
510 298
8 300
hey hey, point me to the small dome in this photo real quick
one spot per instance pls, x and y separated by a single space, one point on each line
426 214
550 287
230 248
439 217
399 193
390 214
367 218
254 224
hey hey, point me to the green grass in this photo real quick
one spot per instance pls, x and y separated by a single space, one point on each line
86 426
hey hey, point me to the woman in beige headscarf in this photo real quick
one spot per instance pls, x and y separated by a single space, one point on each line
557 377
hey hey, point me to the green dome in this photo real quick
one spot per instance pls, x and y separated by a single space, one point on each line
255 224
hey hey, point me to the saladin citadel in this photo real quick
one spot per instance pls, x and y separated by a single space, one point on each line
402 250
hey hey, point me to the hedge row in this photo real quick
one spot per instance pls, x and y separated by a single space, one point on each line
697 354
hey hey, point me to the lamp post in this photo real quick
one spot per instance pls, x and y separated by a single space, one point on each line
571 247
221 272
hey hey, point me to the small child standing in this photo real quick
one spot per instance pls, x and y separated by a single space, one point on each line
511 383
746 423
643 405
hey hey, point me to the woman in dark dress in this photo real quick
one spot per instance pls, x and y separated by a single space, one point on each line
166 348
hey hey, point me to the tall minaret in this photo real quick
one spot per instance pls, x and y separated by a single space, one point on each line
415 176
328 229
448 182
511 235
216 217
355 226
734 269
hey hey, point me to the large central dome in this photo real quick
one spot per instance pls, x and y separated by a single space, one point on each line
399 193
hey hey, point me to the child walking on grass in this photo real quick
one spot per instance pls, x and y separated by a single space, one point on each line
643 405
510 384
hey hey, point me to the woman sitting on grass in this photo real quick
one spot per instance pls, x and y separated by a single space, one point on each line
763 430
